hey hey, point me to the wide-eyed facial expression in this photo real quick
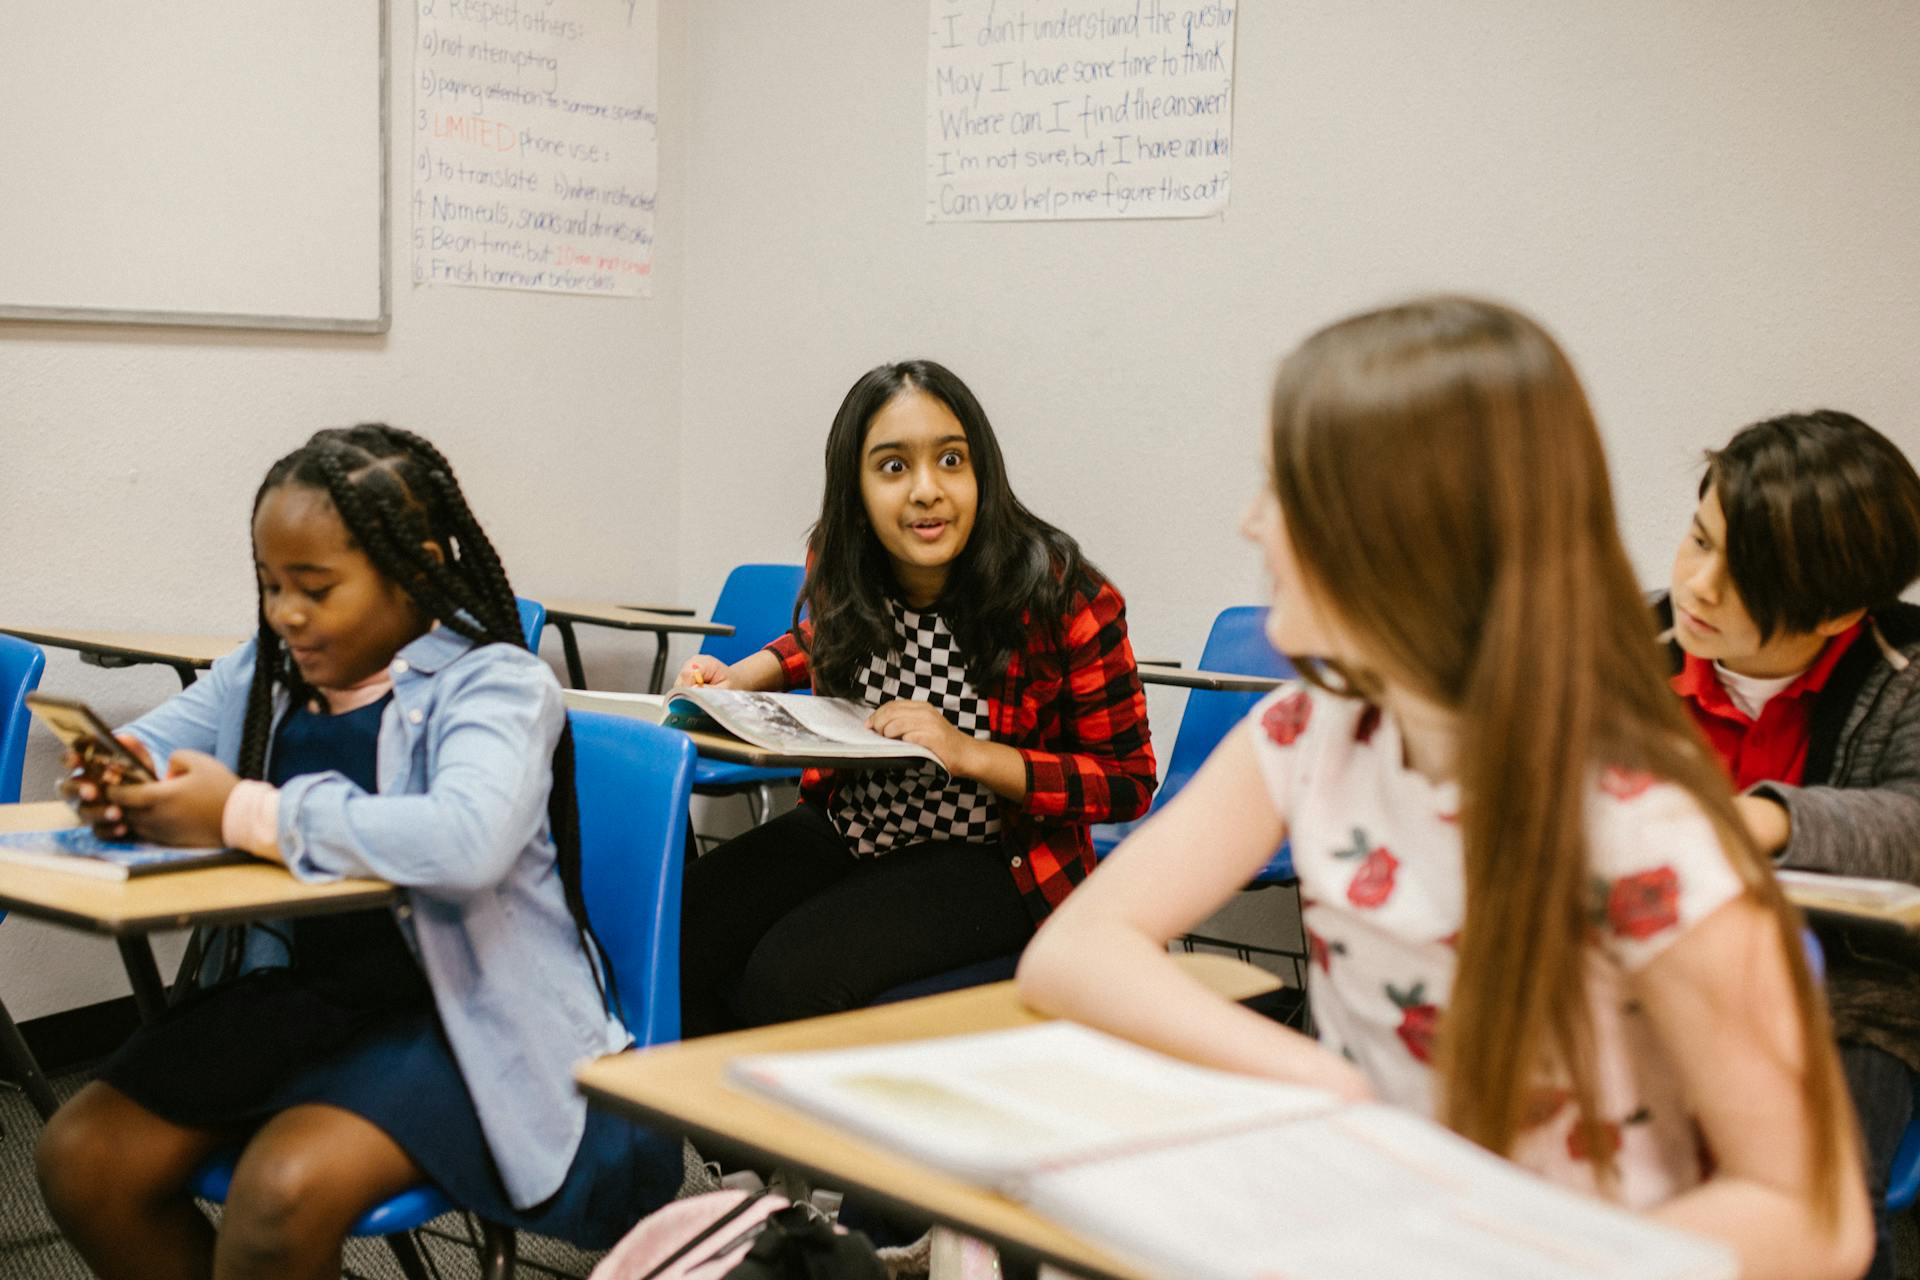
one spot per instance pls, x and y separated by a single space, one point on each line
341 619
1296 622
919 490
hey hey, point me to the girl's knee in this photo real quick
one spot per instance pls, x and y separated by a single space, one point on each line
81 1161
279 1204
781 985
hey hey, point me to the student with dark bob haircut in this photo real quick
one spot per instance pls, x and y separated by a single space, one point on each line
973 628
1797 660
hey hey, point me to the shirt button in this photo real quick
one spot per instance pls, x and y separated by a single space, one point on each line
404 912
1015 862
414 716
400 667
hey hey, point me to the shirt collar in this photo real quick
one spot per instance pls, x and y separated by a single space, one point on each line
1696 681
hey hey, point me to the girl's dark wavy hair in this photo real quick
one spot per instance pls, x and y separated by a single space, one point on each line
1015 566
395 492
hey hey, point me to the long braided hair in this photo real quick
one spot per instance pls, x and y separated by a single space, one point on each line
395 492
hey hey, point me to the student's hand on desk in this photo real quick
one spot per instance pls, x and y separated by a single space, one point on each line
85 785
184 808
702 670
1767 822
922 724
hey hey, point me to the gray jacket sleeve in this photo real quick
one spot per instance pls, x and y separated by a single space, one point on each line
1868 824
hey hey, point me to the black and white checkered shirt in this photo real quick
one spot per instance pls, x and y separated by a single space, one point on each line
893 808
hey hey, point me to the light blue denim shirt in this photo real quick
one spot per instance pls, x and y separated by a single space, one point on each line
460 825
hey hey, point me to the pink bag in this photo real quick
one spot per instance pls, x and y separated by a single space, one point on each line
699 1238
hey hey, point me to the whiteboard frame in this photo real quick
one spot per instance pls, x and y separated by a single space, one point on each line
231 320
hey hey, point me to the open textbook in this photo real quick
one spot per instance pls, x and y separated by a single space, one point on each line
1192 1172
792 722
1891 901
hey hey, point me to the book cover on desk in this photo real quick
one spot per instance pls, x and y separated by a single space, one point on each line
1207 1174
796 723
77 851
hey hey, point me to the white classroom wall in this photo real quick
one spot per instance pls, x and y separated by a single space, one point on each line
131 455
1712 204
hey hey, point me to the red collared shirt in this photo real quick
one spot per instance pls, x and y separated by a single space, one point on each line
1077 714
1774 747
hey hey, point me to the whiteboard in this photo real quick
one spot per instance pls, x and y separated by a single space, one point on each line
197 162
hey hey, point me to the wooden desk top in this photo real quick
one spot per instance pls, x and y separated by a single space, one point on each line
683 1088
718 746
1841 909
170 900
1225 681
139 646
613 615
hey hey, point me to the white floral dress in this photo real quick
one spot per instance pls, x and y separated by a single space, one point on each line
1377 849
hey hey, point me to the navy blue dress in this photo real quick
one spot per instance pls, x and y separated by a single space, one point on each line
351 1023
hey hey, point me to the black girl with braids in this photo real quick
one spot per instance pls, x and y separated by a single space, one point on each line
387 721
972 628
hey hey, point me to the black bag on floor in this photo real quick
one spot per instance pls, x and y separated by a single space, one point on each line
799 1244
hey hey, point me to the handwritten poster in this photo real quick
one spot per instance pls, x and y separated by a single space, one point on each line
1078 109
536 150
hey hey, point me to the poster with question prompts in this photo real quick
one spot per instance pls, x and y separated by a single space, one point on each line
1043 109
536 149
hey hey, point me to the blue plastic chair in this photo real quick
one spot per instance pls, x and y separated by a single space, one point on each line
533 620
1237 644
633 781
757 601
21 665
1903 1182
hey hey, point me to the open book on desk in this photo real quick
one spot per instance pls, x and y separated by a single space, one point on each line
1893 902
78 851
1192 1172
792 723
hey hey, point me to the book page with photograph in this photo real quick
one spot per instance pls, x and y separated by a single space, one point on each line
794 722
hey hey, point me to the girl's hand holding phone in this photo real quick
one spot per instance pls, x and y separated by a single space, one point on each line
702 670
184 808
86 783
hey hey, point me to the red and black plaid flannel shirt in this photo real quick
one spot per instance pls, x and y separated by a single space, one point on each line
1075 711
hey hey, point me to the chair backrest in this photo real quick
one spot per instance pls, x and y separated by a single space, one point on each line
757 602
634 781
1238 645
20 666
533 620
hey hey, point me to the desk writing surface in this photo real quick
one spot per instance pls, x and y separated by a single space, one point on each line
1225 681
613 615
193 650
683 1087
168 900
1809 899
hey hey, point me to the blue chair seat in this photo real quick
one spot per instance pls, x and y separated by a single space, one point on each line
998 969
724 775
412 1208
1903 1183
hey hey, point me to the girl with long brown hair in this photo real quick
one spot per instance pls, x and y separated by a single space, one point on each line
1531 909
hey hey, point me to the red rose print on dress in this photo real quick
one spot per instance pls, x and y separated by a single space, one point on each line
1624 784
1417 1020
1372 884
1369 722
1287 719
1610 1135
1322 952
1641 905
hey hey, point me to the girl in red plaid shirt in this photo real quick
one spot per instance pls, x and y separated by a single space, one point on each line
974 629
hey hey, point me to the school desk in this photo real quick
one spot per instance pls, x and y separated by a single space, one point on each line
564 613
187 655
1843 910
682 1088
129 910
720 746
1222 681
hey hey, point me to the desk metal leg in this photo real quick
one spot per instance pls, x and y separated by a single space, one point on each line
576 674
186 673
659 680
149 993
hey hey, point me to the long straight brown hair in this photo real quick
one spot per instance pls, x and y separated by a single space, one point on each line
1446 495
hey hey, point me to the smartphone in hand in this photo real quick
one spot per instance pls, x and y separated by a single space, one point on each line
87 736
